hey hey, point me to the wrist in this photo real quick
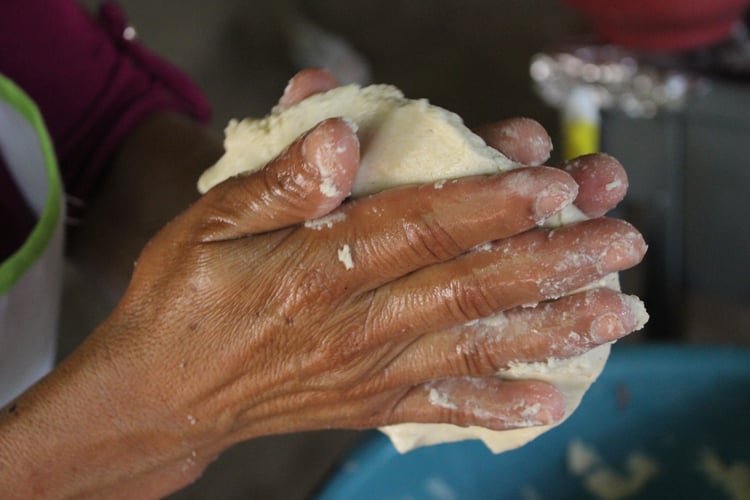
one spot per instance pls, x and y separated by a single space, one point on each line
82 432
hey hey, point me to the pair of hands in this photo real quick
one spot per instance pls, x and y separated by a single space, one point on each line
242 321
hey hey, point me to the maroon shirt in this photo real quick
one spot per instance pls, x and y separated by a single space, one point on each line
93 84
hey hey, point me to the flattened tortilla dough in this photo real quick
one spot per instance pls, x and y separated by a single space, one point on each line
400 139
404 141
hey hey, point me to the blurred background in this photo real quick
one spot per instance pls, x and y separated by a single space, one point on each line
674 115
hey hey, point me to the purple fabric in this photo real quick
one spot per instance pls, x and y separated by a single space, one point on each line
16 218
92 85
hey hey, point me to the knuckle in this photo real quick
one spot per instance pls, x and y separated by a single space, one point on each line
468 300
290 187
476 359
317 286
429 239
461 416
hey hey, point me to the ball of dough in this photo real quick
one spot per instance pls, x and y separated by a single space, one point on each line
404 141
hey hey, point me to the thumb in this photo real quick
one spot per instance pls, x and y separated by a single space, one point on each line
307 180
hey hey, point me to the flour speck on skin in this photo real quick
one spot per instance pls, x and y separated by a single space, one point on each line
484 247
623 246
325 222
188 464
615 184
527 417
573 260
541 148
324 157
438 398
439 184
328 188
520 414
532 411
345 257
565 196
192 420
511 132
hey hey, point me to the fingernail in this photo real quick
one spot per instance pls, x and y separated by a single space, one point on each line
541 148
537 414
524 415
607 328
285 100
619 254
546 411
328 150
611 326
553 198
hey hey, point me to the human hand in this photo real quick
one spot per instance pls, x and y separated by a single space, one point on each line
243 320
272 314
601 179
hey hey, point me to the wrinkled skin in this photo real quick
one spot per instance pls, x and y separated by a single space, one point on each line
242 321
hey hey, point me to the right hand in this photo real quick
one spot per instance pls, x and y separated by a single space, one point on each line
242 321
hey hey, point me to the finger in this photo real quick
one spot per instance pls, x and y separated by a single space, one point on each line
602 183
399 231
487 402
560 329
533 267
309 179
520 139
304 84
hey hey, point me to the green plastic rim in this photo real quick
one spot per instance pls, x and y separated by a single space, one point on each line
15 266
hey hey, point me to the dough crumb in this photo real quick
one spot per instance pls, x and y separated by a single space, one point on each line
733 479
637 309
345 257
328 188
439 184
581 458
325 222
603 481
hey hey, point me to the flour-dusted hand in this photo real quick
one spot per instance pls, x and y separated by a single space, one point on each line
410 142
275 331
272 306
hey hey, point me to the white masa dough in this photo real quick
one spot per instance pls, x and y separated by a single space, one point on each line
404 141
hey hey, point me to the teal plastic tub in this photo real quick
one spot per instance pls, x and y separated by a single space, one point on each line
662 422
